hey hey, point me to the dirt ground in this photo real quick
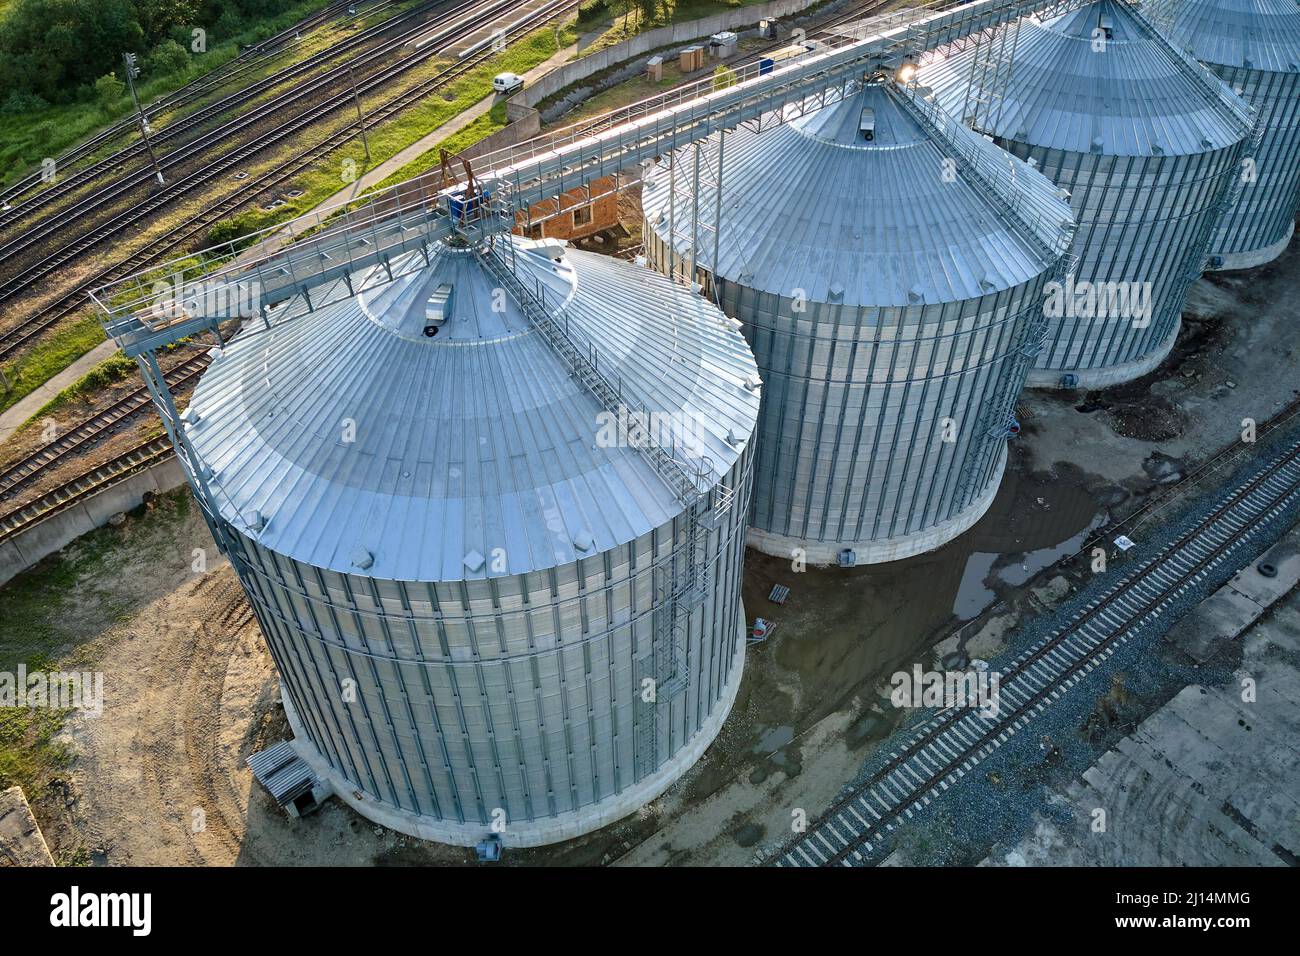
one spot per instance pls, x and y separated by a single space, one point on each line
160 777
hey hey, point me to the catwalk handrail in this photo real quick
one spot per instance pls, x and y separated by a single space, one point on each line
334 246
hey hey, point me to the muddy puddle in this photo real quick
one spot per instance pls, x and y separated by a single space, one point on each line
841 631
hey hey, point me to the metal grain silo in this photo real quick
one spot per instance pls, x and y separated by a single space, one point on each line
467 567
888 266
1254 47
1147 143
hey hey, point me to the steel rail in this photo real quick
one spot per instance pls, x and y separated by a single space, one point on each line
182 96
142 455
31 466
38 232
943 748
12 340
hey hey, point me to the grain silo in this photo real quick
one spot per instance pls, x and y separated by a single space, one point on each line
490 516
1254 47
1147 143
888 267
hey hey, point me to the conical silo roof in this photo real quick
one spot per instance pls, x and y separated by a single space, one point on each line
475 439
1251 34
1131 95
918 214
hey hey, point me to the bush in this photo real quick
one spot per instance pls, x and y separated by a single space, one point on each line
20 102
592 11
56 48
169 57
108 90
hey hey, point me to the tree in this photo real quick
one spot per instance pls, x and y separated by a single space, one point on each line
169 57
108 90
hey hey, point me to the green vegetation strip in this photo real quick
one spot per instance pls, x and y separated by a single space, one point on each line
36 123
48 358
391 137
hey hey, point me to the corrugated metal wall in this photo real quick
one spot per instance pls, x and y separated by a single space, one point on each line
1264 213
518 693
1143 219
852 445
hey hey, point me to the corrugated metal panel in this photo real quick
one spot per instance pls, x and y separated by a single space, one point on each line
455 689
1253 34
519 694
350 431
282 772
893 310
1145 142
1254 47
1128 96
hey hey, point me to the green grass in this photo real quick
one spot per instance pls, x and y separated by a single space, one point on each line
49 357
481 128
621 27
108 372
26 139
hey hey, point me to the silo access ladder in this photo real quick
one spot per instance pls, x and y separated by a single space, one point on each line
687 568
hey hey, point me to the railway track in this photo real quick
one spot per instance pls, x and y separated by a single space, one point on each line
14 339
28 469
249 59
948 745
456 21
113 163
138 457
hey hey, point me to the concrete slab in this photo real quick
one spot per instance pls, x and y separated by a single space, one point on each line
1212 778
1227 613
21 841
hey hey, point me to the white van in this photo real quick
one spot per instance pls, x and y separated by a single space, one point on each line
507 82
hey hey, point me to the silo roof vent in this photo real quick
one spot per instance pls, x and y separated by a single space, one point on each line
438 309
867 125
363 559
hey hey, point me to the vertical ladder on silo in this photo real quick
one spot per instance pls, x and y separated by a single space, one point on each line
687 565
992 63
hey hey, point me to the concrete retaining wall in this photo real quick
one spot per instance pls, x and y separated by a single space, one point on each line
642 44
20 552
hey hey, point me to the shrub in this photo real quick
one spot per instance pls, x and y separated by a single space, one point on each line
592 11
169 57
108 90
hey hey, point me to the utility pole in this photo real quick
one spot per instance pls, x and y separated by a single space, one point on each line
361 120
132 71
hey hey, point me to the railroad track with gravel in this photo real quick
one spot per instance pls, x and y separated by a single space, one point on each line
114 162
14 339
143 455
248 60
456 23
28 469
948 745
